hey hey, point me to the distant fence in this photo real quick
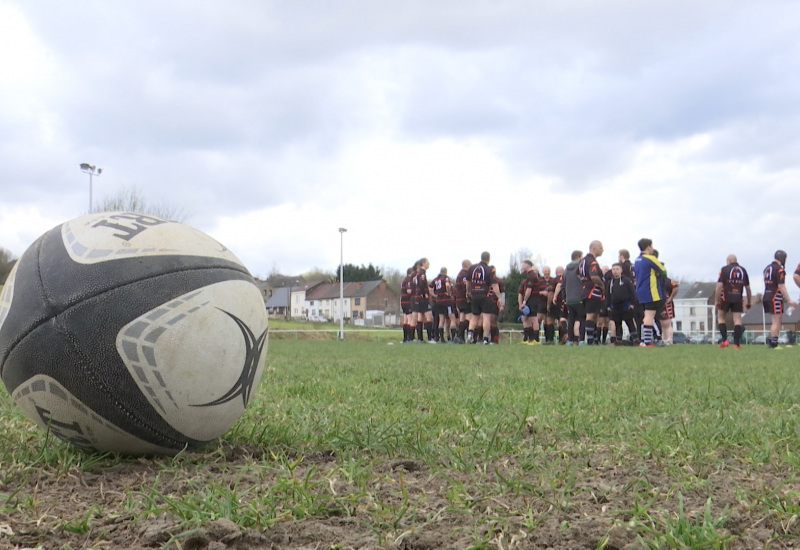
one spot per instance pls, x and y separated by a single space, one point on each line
384 334
509 335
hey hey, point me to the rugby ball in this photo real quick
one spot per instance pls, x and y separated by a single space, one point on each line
128 333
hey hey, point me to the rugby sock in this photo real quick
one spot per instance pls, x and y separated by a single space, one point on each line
495 334
562 330
591 329
419 331
462 329
535 334
647 334
738 331
429 330
773 341
407 333
723 331
604 337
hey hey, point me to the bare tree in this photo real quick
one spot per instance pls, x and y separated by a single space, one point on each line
393 277
7 262
515 261
131 200
319 274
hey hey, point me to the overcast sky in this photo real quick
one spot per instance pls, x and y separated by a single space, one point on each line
426 128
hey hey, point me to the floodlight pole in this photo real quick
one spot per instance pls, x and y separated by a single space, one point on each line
342 231
92 170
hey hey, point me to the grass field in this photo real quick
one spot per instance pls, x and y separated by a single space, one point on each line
360 444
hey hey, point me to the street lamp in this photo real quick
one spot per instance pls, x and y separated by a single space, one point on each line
92 170
342 231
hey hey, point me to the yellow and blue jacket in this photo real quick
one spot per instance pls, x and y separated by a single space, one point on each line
650 274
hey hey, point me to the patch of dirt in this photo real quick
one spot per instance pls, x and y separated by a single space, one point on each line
404 504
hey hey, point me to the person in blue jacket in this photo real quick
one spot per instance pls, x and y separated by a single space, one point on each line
649 273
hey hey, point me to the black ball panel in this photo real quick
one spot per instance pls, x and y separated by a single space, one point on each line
78 349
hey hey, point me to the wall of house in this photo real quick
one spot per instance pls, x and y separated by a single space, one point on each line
384 299
693 316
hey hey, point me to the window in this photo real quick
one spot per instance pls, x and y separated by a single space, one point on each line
679 325
358 301
694 326
691 311
702 326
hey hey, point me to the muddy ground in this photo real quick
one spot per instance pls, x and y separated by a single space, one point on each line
599 511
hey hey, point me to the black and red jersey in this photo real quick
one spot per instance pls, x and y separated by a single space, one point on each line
481 278
588 268
440 288
774 276
501 287
420 285
460 286
627 271
405 288
531 281
558 280
734 279
543 285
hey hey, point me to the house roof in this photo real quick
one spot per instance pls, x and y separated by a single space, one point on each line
328 291
279 298
696 291
366 288
755 316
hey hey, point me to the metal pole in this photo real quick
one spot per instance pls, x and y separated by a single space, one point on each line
342 231
92 170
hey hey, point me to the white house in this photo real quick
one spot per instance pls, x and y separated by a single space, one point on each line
694 309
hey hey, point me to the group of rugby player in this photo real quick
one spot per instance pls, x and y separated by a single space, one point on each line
588 303
463 311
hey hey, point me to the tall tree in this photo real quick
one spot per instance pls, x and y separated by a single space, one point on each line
353 273
511 283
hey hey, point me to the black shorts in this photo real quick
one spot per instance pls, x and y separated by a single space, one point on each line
651 306
577 310
733 307
420 305
620 315
554 311
771 305
406 308
444 308
592 305
485 304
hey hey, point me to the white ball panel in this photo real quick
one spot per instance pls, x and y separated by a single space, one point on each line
52 407
108 236
189 357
